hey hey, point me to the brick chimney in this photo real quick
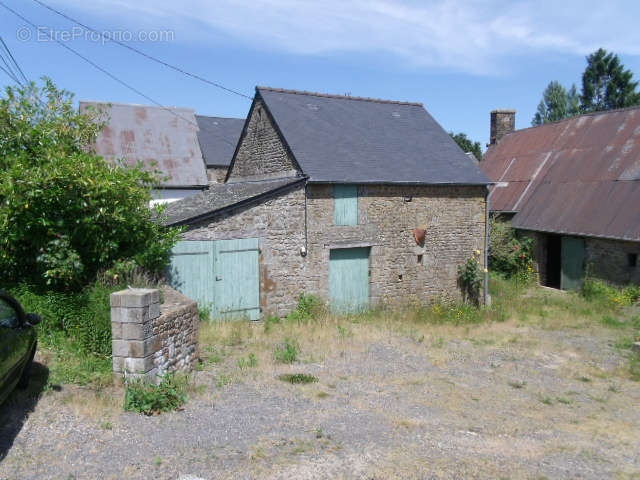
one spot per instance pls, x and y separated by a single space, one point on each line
502 122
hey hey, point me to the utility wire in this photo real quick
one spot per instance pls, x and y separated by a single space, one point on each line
98 67
26 80
7 68
11 76
140 52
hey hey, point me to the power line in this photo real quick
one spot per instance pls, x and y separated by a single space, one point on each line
106 72
98 67
140 52
11 76
7 68
26 80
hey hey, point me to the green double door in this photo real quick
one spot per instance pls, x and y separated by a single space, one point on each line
349 279
222 276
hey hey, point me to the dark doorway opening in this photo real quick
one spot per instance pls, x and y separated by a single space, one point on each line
554 261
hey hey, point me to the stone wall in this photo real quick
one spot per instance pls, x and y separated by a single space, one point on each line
261 154
400 270
454 218
609 260
279 224
150 338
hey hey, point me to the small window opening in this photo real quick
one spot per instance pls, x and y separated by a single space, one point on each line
408 199
632 258
419 259
400 277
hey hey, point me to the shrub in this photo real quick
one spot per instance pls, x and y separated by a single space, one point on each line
287 352
596 290
152 399
67 213
307 309
509 254
249 362
470 278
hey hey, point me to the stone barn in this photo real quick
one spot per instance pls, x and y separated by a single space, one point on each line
356 200
574 186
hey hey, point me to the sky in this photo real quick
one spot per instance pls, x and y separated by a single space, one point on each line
461 59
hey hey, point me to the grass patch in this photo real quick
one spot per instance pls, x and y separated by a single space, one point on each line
612 322
517 384
168 395
297 378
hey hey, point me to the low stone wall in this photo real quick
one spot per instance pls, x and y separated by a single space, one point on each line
150 338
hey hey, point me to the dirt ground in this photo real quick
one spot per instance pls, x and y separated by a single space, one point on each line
526 398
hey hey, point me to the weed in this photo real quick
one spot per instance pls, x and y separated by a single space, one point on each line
584 379
249 362
270 322
564 401
546 400
319 433
204 313
223 380
517 385
151 399
287 352
157 461
612 322
614 389
322 395
297 378
343 332
106 425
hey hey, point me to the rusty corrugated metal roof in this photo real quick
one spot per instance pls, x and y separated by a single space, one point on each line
578 176
166 136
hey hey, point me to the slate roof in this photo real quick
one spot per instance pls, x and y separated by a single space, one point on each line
343 139
164 135
219 197
578 176
218 137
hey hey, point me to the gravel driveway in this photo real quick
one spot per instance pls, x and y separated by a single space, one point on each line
510 400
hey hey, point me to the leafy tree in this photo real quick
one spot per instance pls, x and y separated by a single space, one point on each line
467 145
606 84
66 213
557 103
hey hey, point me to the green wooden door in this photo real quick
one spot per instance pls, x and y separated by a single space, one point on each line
572 263
349 279
237 279
191 271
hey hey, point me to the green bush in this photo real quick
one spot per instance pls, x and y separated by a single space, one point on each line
596 290
67 214
168 395
287 352
471 278
307 309
84 317
509 254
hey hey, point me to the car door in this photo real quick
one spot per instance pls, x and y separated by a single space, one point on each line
14 343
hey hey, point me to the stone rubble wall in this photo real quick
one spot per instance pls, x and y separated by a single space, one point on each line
150 338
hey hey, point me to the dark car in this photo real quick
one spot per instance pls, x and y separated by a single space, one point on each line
18 342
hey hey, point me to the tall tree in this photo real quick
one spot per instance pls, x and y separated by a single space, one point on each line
606 84
554 105
467 145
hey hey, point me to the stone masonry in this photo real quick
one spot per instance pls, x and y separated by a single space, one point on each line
150 338
261 154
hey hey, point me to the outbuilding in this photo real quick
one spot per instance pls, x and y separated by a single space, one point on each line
356 200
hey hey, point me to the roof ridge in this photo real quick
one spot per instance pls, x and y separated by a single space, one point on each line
216 116
586 114
340 97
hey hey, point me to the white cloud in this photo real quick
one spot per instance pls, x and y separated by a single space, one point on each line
472 36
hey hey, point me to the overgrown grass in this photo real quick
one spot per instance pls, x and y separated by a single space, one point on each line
74 337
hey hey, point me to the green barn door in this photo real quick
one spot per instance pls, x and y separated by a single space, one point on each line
191 270
572 263
349 279
237 279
